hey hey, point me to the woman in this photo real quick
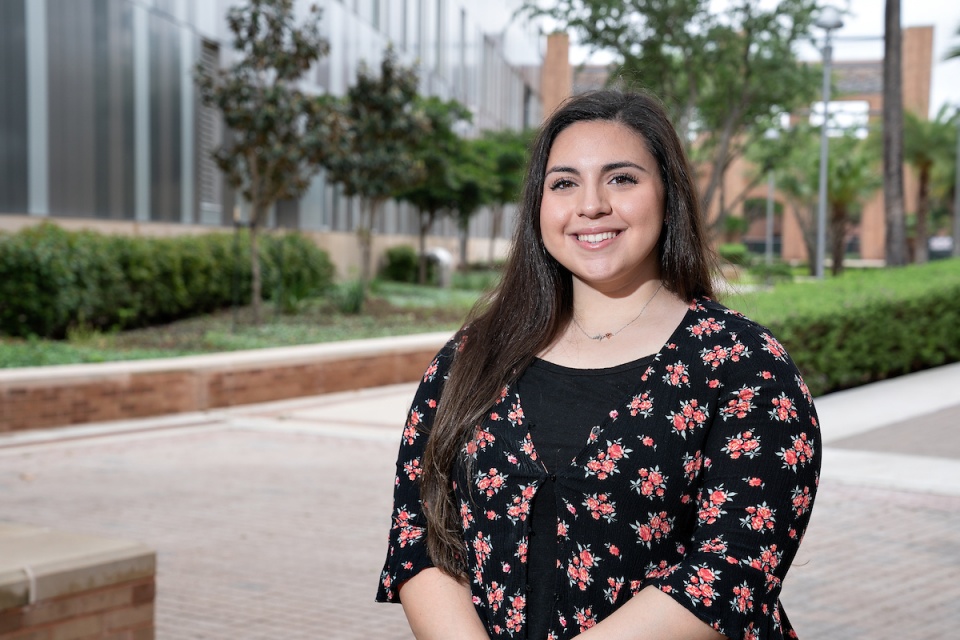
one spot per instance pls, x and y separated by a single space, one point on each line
603 451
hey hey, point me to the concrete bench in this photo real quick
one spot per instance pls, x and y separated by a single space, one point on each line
55 584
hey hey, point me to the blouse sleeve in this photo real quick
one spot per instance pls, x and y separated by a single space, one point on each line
407 551
760 472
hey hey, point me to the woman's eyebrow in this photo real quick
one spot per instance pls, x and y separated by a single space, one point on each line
612 166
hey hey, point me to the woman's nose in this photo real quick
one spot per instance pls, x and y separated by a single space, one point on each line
593 203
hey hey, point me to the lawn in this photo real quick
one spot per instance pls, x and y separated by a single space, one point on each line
391 309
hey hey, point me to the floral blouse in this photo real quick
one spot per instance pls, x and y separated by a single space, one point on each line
699 482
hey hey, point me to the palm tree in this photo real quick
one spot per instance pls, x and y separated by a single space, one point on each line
853 177
927 143
896 242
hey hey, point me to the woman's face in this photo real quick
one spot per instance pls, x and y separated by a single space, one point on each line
603 206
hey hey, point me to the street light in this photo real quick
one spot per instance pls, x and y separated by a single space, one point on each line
829 21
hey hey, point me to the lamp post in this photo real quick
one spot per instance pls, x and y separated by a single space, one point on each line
829 20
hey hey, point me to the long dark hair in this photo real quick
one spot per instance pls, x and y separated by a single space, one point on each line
534 299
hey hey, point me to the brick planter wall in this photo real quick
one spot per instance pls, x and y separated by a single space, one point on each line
41 397
63 586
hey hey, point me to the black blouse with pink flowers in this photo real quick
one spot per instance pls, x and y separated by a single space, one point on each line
699 482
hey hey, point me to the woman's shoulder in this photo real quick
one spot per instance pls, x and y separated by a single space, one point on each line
710 319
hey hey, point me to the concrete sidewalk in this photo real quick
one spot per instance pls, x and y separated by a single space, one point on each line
270 520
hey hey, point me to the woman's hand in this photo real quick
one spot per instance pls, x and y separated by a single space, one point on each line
651 615
440 608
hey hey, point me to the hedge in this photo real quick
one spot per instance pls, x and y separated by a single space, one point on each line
52 280
865 325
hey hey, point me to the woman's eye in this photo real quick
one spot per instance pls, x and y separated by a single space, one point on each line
623 178
560 183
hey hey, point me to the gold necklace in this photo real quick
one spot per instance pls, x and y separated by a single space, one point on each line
600 337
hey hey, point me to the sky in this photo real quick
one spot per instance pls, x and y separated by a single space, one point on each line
864 24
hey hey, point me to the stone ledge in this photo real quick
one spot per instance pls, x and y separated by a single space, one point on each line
38 564
42 397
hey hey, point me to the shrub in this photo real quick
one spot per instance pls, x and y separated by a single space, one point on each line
400 264
734 253
53 280
866 325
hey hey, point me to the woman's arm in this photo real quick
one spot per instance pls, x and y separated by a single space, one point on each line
438 607
651 615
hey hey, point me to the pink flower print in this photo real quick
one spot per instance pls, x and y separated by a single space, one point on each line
784 409
647 441
705 327
767 562
641 405
579 566
613 549
412 468
494 416
410 432
484 438
773 347
677 375
660 570
432 403
742 598
766 375
585 618
713 383
409 532
605 463
690 416
491 482
651 483
754 482
711 504
611 593
741 405
431 371
692 465
521 552
466 516
562 529
739 350
803 388
519 507
658 526
516 614
742 444
715 356
715 545
699 586
494 596
515 415
613 414
797 455
482 547
801 500
648 372
759 518
599 506
527 447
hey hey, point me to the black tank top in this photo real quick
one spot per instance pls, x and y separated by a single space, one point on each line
561 407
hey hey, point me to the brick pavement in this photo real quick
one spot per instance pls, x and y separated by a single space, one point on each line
270 522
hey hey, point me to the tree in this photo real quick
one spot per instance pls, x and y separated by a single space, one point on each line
723 77
925 144
954 52
437 190
477 186
852 178
507 151
376 152
277 133
896 236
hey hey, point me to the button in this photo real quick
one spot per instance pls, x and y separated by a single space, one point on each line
529 588
553 477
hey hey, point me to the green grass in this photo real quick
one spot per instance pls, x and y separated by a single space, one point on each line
391 309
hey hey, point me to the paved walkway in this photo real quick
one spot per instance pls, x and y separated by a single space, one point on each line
270 520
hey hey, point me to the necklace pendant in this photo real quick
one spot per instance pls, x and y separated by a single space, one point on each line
600 337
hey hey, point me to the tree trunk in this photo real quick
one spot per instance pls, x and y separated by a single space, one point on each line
368 218
426 221
464 235
838 237
496 224
921 253
896 244
256 298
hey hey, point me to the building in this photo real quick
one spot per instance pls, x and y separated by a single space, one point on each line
100 125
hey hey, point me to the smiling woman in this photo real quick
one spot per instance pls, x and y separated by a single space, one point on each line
603 451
